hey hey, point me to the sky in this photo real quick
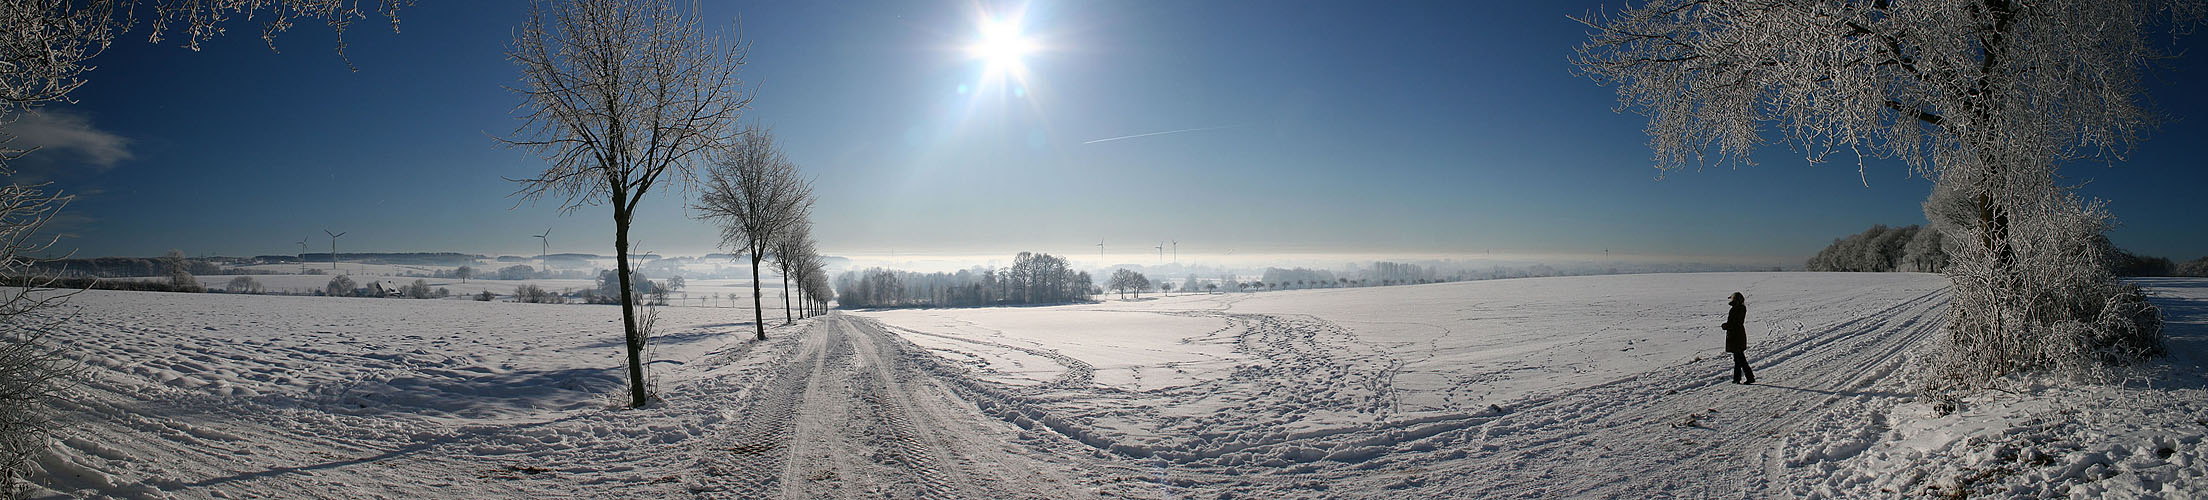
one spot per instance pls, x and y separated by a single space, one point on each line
1232 128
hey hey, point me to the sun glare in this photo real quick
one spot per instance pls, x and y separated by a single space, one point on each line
1002 48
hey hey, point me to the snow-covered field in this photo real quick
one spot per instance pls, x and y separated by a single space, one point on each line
1606 386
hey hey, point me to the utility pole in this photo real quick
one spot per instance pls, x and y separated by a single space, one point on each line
333 247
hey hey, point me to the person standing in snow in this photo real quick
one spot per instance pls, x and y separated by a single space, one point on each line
1736 339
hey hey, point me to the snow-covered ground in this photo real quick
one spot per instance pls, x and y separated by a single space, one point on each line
1606 386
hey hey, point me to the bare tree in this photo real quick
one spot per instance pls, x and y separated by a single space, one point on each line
1127 279
1984 97
464 272
47 45
620 97
31 370
793 250
244 284
755 194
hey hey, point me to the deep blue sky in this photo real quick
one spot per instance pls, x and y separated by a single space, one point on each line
1352 127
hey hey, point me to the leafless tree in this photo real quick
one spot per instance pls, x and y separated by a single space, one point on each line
47 45
244 284
755 194
793 251
621 97
31 370
1984 97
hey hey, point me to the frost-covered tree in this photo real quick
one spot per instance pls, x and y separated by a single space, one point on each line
179 272
340 286
419 289
755 194
620 97
464 272
1124 280
243 284
1986 98
792 249
31 369
48 45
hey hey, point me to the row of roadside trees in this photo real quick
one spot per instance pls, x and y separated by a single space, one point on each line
625 97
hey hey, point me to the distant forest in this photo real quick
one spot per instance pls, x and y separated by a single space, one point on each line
398 259
1034 278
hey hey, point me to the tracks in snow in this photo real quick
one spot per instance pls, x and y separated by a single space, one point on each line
846 414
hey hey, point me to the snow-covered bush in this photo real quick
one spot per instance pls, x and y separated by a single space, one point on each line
2196 268
2033 290
340 286
419 289
532 294
179 272
243 284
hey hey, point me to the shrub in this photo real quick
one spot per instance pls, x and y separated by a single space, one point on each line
533 294
340 286
2194 268
2044 299
180 272
485 296
417 290
243 284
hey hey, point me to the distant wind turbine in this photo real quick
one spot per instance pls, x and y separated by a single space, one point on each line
1176 251
1161 251
333 247
302 256
1099 251
544 245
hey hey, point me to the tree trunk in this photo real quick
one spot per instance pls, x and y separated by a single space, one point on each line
628 308
758 317
786 297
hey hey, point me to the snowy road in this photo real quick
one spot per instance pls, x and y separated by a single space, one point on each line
845 415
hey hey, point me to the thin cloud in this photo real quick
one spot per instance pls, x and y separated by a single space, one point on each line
1185 130
58 132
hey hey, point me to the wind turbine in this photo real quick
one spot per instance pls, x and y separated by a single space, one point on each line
302 256
1161 251
1176 251
1099 251
333 247
544 245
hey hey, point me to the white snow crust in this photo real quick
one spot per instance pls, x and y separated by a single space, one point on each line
1579 387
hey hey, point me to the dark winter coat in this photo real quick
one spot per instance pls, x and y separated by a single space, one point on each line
1736 331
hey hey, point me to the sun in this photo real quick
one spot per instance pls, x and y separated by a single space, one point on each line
1002 48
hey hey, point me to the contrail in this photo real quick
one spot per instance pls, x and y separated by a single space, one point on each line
1200 129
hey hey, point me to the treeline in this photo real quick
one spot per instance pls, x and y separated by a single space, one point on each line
1034 278
391 258
2125 263
1915 249
1882 249
118 267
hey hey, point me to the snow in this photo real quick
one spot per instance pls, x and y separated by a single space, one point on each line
1598 386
